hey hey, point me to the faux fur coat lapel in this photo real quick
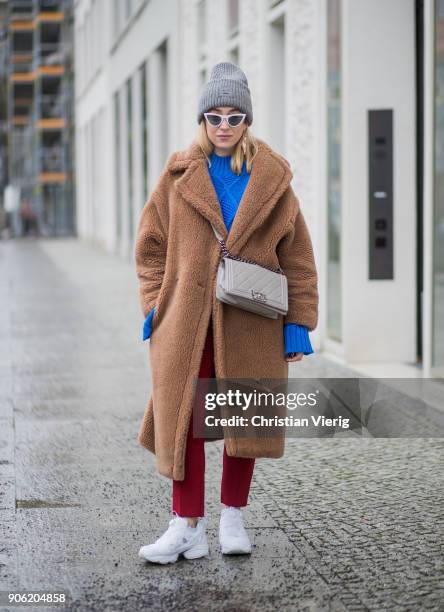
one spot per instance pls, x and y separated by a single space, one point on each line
270 176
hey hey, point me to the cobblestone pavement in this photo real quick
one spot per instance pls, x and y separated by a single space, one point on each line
339 524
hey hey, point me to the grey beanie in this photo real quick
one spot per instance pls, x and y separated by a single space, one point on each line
228 86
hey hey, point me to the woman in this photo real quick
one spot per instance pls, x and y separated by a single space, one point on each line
236 182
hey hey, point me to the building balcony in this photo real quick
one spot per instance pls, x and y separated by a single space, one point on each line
52 177
21 25
51 71
22 77
49 17
51 124
20 120
23 102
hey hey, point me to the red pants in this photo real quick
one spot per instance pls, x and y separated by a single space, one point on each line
237 472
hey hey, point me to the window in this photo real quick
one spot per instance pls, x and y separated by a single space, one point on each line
129 116
334 289
116 24
201 27
277 71
233 17
119 9
144 107
438 188
117 144
128 9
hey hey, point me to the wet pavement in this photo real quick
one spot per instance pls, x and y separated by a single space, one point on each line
340 524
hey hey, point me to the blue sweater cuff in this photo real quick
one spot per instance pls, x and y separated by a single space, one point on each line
296 339
147 324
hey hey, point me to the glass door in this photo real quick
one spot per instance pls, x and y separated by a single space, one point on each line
438 196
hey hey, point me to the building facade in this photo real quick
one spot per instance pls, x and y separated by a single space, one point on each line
350 91
36 110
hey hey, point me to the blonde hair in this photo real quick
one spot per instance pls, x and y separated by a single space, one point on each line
238 157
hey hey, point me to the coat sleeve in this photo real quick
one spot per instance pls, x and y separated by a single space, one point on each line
296 258
150 252
146 330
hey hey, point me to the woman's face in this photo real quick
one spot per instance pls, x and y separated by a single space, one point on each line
225 137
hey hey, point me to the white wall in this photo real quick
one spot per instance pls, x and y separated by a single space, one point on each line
99 75
378 67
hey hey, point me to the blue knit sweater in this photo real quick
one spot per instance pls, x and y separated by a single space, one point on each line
230 188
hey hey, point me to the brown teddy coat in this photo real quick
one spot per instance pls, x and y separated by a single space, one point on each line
177 256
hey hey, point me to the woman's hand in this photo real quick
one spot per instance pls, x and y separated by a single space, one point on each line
294 357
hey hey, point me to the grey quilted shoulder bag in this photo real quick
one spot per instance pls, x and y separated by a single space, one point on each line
249 285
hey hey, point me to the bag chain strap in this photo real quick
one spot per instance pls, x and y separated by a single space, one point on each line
226 253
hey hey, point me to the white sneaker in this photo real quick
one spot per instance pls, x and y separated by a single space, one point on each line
179 538
233 537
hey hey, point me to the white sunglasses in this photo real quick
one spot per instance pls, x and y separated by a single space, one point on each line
215 120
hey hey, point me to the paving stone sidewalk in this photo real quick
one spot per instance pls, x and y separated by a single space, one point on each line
345 524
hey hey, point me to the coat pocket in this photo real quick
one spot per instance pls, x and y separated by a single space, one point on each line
155 319
161 304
